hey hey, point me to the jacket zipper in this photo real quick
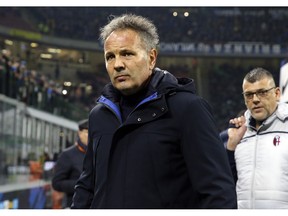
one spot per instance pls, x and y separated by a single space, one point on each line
254 168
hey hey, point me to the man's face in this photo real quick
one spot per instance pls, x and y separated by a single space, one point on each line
128 63
263 104
83 136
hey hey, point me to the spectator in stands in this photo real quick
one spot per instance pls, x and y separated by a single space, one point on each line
69 164
57 71
258 144
2 75
153 142
6 54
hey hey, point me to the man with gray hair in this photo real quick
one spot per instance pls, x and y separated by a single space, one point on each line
153 142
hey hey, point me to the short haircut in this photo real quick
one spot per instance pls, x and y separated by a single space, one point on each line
142 25
258 74
83 124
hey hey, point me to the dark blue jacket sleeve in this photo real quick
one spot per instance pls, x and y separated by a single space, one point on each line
61 180
84 188
232 163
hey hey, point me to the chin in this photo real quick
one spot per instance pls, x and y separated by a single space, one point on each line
125 91
259 118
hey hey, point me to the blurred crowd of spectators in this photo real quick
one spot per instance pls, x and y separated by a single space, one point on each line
204 24
37 90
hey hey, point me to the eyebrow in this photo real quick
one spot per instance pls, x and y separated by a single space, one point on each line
261 89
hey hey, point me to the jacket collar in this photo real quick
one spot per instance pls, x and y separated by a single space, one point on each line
280 113
162 82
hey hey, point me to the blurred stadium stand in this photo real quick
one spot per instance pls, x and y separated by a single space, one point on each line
203 24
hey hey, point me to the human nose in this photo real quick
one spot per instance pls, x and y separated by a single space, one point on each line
118 64
255 98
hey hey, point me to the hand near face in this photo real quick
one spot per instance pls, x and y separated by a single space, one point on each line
236 133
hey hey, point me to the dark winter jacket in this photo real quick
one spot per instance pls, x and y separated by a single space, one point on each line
166 154
67 170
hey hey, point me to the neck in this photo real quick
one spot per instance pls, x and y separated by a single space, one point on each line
81 146
128 103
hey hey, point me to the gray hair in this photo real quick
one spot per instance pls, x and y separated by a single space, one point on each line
143 26
258 74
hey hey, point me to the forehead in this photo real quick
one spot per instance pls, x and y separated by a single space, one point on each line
121 38
260 84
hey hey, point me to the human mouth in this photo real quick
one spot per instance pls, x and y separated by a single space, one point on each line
121 78
257 109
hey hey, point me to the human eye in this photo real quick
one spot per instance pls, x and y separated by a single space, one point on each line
262 93
109 57
248 94
127 53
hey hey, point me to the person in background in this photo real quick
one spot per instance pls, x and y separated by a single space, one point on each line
257 144
68 166
153 142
